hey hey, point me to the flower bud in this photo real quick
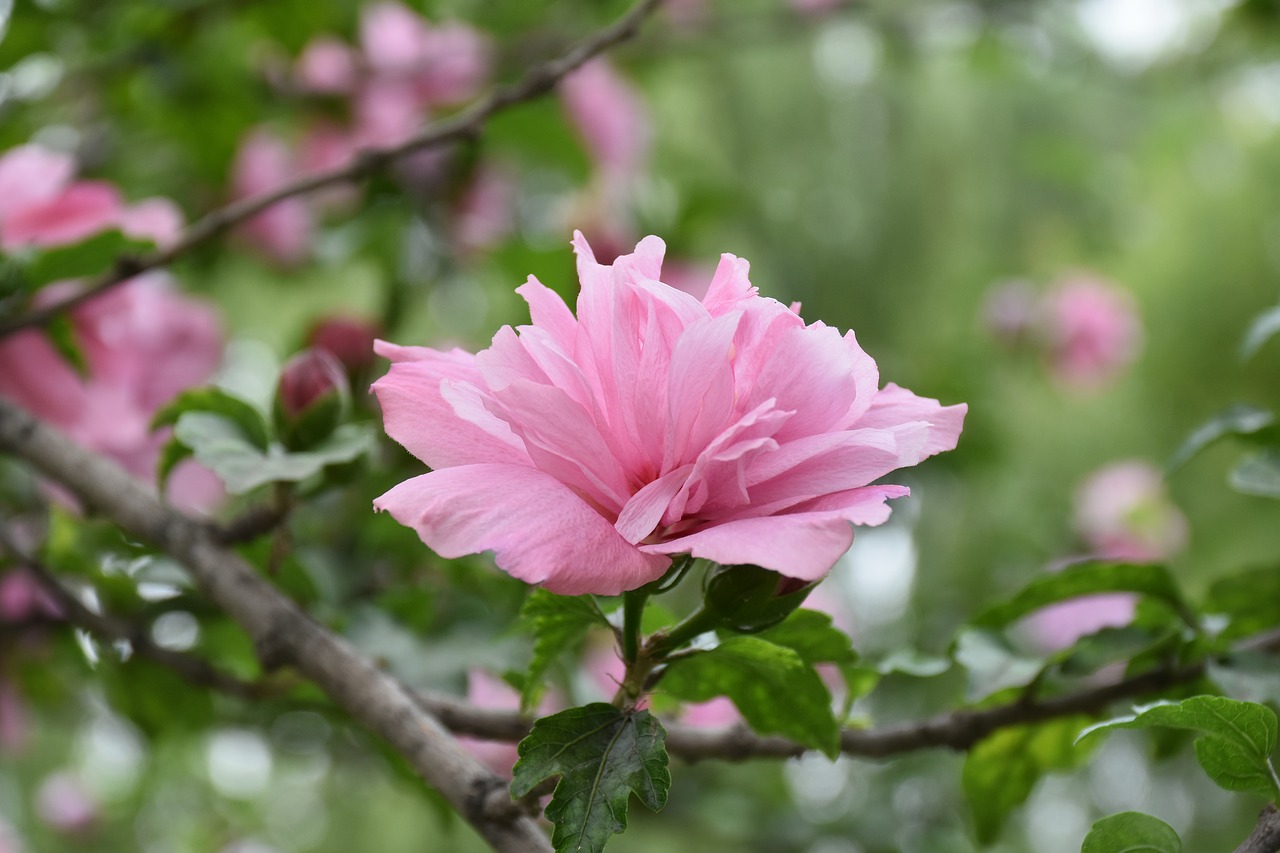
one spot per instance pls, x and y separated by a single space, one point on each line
347 339
311 400
750 599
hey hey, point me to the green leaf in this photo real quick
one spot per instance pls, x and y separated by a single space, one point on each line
1237 738
992 664
558 623
1112 645
1131 832
215 401
97 254
1239 420
220 446
173 452
913 662
1001 771
772 686
602 755
1088 579
1258 475
813 637
1263 328
749 598
62 335
1250 600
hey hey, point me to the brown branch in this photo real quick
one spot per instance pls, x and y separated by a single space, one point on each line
282 633
466 124
193 669
1265 837
249 525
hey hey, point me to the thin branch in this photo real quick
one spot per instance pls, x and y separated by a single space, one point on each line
282 633
193 669
249 525
1265 837
466 124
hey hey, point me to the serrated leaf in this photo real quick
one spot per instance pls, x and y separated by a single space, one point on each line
992 664
773 688
94 255
602 755
1131 832
1001 771
1263 328
1239 420
1237 738
557 622
1088 578
1258 475
216 401
221 447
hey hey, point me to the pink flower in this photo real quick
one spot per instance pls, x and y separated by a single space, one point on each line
1094 331
22 598
444 64
1124 513
1058 626
586 451
264 163
65 806
326 66
143 343
611 118
487 691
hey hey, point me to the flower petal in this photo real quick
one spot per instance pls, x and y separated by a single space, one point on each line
894 406
538 528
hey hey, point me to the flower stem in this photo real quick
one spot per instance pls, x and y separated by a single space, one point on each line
698 622
632 610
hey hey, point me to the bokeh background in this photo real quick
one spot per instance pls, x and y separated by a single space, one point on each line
894 166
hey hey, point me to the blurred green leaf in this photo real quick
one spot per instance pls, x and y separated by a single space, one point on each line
1250 600
1001 771
1237 738
811 635
1088 579
914 663
154 697
1263 328
1112 645
602 755
558 623
1258 475
215 401
95 255
772 686
1131 832
1247 676
62 334
992 664
1239 420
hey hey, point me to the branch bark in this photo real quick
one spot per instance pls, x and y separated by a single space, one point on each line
466 124
1265 837
282 633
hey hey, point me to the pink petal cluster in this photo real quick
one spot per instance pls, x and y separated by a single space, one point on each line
586 451
1089 330
1122 513
41 205
403 69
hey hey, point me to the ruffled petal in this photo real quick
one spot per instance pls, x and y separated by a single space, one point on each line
894 406
539 530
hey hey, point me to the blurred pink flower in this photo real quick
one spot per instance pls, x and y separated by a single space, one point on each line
306 379
143 343
444 64
485 212
1058 626
22 598
326 145
348 339
1124 513
605 670
1011 311
265 163
488 691
1093 329
612 119
65 805
326 66
585 451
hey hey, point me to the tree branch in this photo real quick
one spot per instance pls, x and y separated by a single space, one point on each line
466 124
282 633
1265 837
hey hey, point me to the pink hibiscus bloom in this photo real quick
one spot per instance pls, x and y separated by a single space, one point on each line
1094 331
586 451
143 343
265 163
444 63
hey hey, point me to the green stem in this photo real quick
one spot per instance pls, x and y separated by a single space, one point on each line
632 610
698 622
